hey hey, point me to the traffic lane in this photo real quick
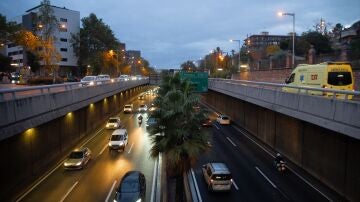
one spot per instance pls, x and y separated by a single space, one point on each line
250 186
104 177
288 183
56 184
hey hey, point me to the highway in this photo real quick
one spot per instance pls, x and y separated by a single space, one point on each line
97 181
255 178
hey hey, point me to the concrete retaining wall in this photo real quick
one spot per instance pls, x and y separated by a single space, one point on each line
332 157
29 154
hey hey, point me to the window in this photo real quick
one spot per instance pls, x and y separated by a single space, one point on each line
63 49
64 60
63 40
11 45
290 79
63 20
339 78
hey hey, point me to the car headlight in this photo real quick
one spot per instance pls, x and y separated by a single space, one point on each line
66 164
78 163
121 143
139 200
91 83
116 125
107 125
110 144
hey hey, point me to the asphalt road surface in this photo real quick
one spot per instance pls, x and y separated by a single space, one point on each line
99 179
254 177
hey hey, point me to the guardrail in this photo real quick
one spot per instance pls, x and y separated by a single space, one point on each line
15 93
300 89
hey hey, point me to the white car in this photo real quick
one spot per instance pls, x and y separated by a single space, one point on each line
124 77
223 119
113 123
128 108
118 139
88 80
143 108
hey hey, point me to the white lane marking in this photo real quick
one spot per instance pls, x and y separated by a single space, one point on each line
68 192
51 172
308 183
231 141
97 132
272 184
111 190
297 174
196 185
103 149
153 182
235 185
130 148
217 127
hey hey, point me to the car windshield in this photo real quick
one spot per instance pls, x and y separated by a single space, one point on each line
339 78
142 106
225 118
88 78
221 177
76 155
129 186
112 120
127 106
117 137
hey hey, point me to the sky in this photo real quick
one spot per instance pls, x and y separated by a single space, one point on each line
170 32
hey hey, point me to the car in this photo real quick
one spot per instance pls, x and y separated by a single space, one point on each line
217 176
152 107
118 140
113 123
128 108
132 187
143 108
102 78
223 119
141 97
150 122
88 81
124 77
78 159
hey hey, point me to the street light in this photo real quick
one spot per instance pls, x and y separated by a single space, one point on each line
239 41
293 35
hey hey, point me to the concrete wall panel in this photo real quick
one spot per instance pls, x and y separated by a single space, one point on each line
353 170
324 155
289 137
266 126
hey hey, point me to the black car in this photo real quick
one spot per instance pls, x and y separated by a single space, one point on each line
132 187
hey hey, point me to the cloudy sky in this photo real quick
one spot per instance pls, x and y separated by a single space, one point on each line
169 32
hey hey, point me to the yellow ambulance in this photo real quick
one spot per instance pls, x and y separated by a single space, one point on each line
331 75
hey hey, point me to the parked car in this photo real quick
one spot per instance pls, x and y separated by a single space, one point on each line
132 187
88 80
113 123
128 108
118 139
217 176
143 108
223 119
78 159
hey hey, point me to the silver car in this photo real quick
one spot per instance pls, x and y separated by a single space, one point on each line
78 159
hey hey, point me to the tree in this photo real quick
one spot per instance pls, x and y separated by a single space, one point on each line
7 30
272 49
5 63
47 25
188 66
176 134
320 42
96 39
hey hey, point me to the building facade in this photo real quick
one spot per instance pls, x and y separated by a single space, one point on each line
69 23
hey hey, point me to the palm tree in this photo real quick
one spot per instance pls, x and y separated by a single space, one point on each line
177 134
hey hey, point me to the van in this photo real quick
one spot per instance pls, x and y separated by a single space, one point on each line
217 176
128 108
118 139
331 75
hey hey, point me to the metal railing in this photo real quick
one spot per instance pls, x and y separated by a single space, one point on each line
22 92
299 89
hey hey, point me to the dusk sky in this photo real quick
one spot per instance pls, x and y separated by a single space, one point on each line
170 32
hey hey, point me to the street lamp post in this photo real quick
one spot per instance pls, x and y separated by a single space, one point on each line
239 42
293 35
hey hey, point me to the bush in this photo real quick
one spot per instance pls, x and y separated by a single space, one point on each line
44 80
